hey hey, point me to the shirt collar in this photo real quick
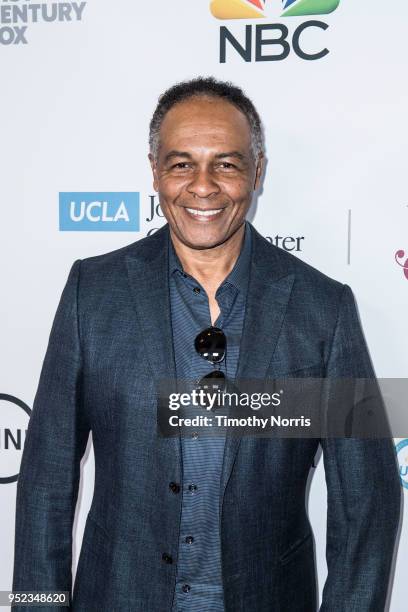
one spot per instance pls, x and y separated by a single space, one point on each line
239 274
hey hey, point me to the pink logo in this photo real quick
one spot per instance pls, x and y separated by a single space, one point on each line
404 264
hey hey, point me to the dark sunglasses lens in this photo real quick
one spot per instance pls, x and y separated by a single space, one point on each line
215 374
210 344
212 382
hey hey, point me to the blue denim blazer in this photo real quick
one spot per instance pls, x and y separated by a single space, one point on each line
109 344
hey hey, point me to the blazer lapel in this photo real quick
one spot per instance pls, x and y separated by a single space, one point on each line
270 285
147 268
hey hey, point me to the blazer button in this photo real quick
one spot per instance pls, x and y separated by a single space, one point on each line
174 487
167 558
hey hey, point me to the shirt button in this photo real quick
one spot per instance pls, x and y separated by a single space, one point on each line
185 588
192 488
167 558
194 435
174 487
196 290
189 539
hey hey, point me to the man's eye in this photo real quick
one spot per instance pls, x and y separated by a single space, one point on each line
181 165
227 165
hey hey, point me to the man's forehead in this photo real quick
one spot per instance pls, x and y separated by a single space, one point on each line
199 145
193 124
204 114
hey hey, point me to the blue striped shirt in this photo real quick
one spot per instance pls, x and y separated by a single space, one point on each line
199 575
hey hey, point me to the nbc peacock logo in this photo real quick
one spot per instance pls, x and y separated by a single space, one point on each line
255 9
237 9
260 41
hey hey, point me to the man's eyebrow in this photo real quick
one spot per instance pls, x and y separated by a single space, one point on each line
173 153
185 154
236 154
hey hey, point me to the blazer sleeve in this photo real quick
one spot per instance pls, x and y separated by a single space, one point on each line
56 440
363 490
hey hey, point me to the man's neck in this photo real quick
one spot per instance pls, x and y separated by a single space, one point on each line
210 266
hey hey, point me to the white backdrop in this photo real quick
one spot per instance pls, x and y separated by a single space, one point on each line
76 101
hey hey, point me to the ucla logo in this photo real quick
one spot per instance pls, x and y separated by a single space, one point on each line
99 212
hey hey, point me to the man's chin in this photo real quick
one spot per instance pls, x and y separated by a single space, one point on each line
200 235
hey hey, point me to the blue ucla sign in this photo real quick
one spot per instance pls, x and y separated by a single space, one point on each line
99 211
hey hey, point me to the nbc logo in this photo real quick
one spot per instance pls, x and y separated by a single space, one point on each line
263 42
253 9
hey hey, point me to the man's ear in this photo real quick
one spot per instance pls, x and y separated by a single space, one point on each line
259 171
153 166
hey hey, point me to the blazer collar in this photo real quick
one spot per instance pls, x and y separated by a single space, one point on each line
270 283
269 288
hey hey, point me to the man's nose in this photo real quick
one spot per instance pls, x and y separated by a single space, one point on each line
203 184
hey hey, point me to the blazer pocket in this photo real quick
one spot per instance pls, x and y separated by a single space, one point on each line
314 370
95 536
295 548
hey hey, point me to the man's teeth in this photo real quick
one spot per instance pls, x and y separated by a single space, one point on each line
205 213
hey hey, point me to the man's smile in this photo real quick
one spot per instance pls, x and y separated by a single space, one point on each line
204 214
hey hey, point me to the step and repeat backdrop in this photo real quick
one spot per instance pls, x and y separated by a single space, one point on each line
80 81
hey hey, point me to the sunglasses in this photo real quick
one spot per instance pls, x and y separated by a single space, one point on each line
211 345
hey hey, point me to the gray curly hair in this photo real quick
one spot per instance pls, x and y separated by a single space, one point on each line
206 86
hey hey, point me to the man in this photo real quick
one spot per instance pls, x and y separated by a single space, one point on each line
198 523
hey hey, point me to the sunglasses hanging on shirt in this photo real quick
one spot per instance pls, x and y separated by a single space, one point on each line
211 345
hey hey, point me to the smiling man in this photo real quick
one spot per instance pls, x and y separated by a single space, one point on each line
195 523
207 162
